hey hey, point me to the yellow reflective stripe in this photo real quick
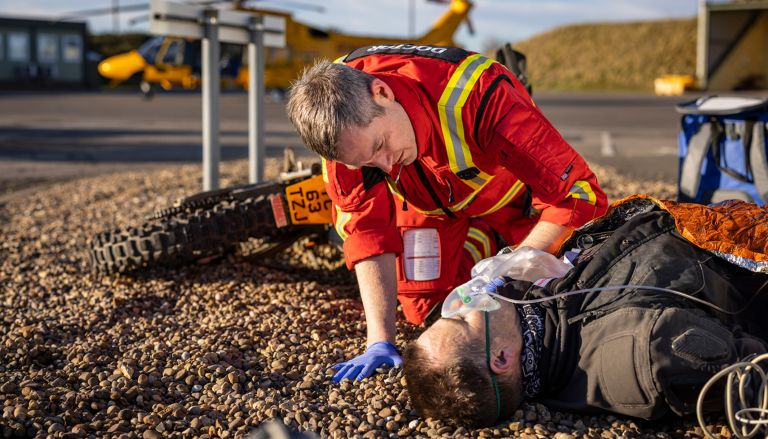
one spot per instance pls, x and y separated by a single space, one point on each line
509 196
465 201
342 218
468 246
581 190
451 102
397 193
478 235
340 60
325 170
454 208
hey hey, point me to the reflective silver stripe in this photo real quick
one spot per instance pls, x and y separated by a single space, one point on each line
579 192
453 99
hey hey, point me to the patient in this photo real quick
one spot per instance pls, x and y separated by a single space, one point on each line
633 351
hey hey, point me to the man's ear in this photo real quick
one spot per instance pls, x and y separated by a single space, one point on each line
381 91
502 361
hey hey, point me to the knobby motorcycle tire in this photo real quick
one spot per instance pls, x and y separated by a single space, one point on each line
177 240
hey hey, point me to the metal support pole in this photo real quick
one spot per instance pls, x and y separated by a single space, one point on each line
211 86
412 19
256 148
116 17
702 46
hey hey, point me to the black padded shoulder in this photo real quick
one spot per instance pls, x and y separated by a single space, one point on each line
372 177
453 55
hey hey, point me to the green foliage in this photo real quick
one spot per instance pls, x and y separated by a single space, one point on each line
610 56
110 44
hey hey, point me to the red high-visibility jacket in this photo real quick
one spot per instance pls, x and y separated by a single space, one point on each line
480 139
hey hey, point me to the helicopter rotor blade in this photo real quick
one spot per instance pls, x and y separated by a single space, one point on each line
242 3
102 11
295 5
470 28
133 21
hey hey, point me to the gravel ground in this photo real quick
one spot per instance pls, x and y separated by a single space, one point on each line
208 350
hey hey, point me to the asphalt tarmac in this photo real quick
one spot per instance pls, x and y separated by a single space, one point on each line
51 137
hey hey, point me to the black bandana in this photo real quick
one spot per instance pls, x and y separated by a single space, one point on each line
533 334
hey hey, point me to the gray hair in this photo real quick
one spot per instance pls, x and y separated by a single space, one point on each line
327 99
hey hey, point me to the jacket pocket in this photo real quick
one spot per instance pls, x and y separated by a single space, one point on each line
618 376
615 352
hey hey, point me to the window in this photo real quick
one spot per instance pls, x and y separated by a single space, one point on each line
18 46
172 52
72 48
149 50
46 48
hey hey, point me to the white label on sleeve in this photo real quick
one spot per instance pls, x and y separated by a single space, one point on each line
543 282
422 254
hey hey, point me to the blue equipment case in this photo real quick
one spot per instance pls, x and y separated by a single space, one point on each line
722 150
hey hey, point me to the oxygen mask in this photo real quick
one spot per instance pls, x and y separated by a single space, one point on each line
472 296
523 263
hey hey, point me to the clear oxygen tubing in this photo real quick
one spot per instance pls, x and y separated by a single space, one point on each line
738 372
621 287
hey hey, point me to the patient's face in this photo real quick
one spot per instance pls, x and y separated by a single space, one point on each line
441 338
445 334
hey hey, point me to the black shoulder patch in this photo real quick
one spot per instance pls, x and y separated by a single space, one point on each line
700 345
371 177
453 55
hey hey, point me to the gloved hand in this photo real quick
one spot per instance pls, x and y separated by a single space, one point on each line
494 284
382 352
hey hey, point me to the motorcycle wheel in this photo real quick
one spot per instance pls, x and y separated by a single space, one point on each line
177 240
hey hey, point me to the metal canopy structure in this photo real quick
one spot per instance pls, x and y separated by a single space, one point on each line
732 45
213 26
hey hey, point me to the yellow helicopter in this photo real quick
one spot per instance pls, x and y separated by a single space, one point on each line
171 61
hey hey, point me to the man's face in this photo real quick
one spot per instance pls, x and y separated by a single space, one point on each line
389 140
445 334
441 338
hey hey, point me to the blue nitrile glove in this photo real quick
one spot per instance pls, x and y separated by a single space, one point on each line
382 352
494 284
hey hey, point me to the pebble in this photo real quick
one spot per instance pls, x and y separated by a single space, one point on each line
56 427
126 415
202 350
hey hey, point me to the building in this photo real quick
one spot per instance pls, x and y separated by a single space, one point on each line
42 54
732 51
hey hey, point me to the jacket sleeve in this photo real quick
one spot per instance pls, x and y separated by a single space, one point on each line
364 214
514 132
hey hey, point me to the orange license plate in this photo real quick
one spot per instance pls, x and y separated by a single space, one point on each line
309 203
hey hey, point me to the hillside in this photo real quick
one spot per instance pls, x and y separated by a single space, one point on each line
610 56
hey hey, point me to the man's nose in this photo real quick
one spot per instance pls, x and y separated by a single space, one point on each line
384 162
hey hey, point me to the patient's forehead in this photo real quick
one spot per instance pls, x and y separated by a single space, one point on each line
443 336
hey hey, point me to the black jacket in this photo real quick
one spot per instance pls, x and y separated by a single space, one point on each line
641 352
